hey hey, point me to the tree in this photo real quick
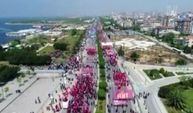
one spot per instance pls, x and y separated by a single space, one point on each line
26 56
181 62
15 42
19 80
6 89
101 94
187 49
189 110
28 72
60 46
185 81
103 84
22 75
134 56
165 91
176 99
159 60
169 38
162 70
8 73
172 110
74 32
136 27
1 48
183 34
121 51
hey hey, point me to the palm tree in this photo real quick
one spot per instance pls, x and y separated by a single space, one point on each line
189 110
6 89
176 99
19 80
185 81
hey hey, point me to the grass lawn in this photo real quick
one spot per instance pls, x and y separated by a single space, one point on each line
153 74
168 74
187 93
189 97
184 73
101 105
71 41
46 50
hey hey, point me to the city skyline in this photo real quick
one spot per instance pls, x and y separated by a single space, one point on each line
66 8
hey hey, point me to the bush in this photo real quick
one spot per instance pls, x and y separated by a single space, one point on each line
8 73
60 46
153 74
181 62
164 91
102 73
103 84
73 32
162 70
121 51
134 56
101 94
167 74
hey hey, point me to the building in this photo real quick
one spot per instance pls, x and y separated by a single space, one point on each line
184 26
168 22
189 40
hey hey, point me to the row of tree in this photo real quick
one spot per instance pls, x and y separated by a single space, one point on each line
8 73
25 56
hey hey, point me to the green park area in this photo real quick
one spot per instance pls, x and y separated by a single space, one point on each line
101 105
47 50
178 98
25 52
154 74
69 44
72 41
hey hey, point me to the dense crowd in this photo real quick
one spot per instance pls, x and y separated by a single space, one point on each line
71 64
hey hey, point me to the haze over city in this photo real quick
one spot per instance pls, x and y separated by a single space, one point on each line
96 56
53 8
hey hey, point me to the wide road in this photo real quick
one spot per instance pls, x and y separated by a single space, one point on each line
111 88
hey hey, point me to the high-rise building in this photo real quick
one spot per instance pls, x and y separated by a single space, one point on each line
184 26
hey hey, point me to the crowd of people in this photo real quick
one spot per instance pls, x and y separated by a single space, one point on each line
83 94
119 78
71 64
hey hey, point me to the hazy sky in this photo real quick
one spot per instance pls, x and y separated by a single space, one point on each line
46 8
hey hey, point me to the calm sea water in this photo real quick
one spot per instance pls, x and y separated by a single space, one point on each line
9 28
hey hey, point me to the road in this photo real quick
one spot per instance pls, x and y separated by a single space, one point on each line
143 83
111 89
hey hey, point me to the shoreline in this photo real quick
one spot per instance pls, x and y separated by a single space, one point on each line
8 23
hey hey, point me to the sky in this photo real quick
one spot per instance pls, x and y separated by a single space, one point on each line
69 8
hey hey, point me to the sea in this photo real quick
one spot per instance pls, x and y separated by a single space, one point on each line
5 27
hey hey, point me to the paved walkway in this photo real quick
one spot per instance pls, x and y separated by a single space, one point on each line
25 103
13 86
